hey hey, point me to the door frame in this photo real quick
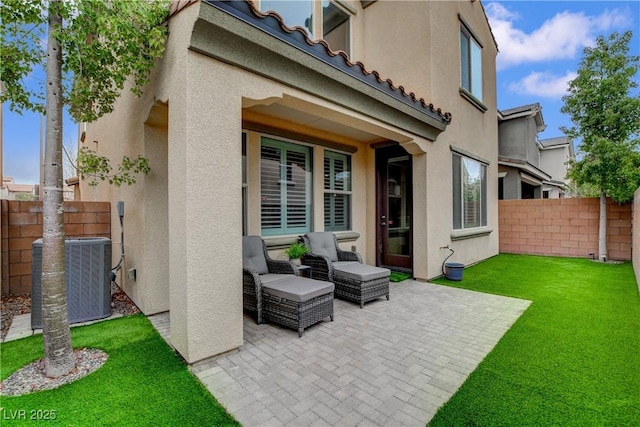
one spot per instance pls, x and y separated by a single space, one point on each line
383 153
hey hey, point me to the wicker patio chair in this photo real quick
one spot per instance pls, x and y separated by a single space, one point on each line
274 291
325 255
354 281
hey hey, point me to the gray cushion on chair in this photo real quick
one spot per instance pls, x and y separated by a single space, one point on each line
253 254
273 277
337 264
298 289
323 243
361 272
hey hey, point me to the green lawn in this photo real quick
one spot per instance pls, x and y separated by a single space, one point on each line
142 383
573 358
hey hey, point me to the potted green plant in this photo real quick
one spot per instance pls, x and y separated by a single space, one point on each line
295 251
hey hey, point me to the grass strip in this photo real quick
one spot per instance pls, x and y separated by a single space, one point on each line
397 276
143 383
571 359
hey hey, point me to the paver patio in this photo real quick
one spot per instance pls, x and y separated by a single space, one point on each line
392 363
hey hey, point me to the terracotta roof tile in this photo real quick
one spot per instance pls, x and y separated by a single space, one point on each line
177 6
20 188
341 59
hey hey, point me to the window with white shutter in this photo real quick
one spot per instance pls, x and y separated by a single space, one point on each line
337 191
285 187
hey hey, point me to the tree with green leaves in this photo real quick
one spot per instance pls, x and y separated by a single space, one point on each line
93 47
605 113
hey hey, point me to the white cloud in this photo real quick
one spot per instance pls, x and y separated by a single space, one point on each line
543 85
561 37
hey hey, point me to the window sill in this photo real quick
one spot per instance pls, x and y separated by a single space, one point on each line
283 242
473 100
470 233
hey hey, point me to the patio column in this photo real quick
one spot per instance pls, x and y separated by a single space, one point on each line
205 212
420 240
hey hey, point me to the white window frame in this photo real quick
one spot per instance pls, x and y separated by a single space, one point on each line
285 228
317 24
458 192
340 6
472 64
329 223
245 186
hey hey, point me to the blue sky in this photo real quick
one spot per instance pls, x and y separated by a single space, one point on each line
540 45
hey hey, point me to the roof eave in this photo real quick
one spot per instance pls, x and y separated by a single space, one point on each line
314 56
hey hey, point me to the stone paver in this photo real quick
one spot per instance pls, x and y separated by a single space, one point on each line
393 363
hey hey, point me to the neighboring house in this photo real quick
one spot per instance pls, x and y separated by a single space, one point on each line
13 191
530 168
555 155
252 127
72 189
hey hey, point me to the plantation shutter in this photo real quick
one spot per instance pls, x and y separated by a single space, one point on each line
337 196
457 193
285 180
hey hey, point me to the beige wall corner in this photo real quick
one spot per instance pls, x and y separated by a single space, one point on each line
420 219
205 214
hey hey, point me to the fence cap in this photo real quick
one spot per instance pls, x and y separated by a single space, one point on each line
71 241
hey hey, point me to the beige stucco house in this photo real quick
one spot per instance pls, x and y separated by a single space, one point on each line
528 167
555 157
385 133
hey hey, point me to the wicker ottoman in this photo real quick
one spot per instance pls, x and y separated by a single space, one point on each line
297 302
361 282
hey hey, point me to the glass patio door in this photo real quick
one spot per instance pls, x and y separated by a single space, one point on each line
394 208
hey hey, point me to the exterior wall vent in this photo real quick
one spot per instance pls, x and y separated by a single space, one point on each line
87 264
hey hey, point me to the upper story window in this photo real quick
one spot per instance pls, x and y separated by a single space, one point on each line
469 193
470 63
335 27
295 13
331 24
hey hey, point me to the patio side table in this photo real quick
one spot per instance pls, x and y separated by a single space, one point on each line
305 271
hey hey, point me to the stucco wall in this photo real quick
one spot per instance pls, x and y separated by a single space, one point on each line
22 224
472 130
195 273
636 235
514 136
554 162
511 183
563 227
169 223
435 28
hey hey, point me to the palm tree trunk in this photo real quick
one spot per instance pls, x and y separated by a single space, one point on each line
59 358
602 231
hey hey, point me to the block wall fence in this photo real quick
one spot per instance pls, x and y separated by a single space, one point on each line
556 227
21 224
564 227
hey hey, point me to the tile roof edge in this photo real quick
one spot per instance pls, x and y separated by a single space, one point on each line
444 116
177 6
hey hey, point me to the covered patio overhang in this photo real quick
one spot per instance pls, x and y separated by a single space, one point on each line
238 34
289 115
247 71
528 172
